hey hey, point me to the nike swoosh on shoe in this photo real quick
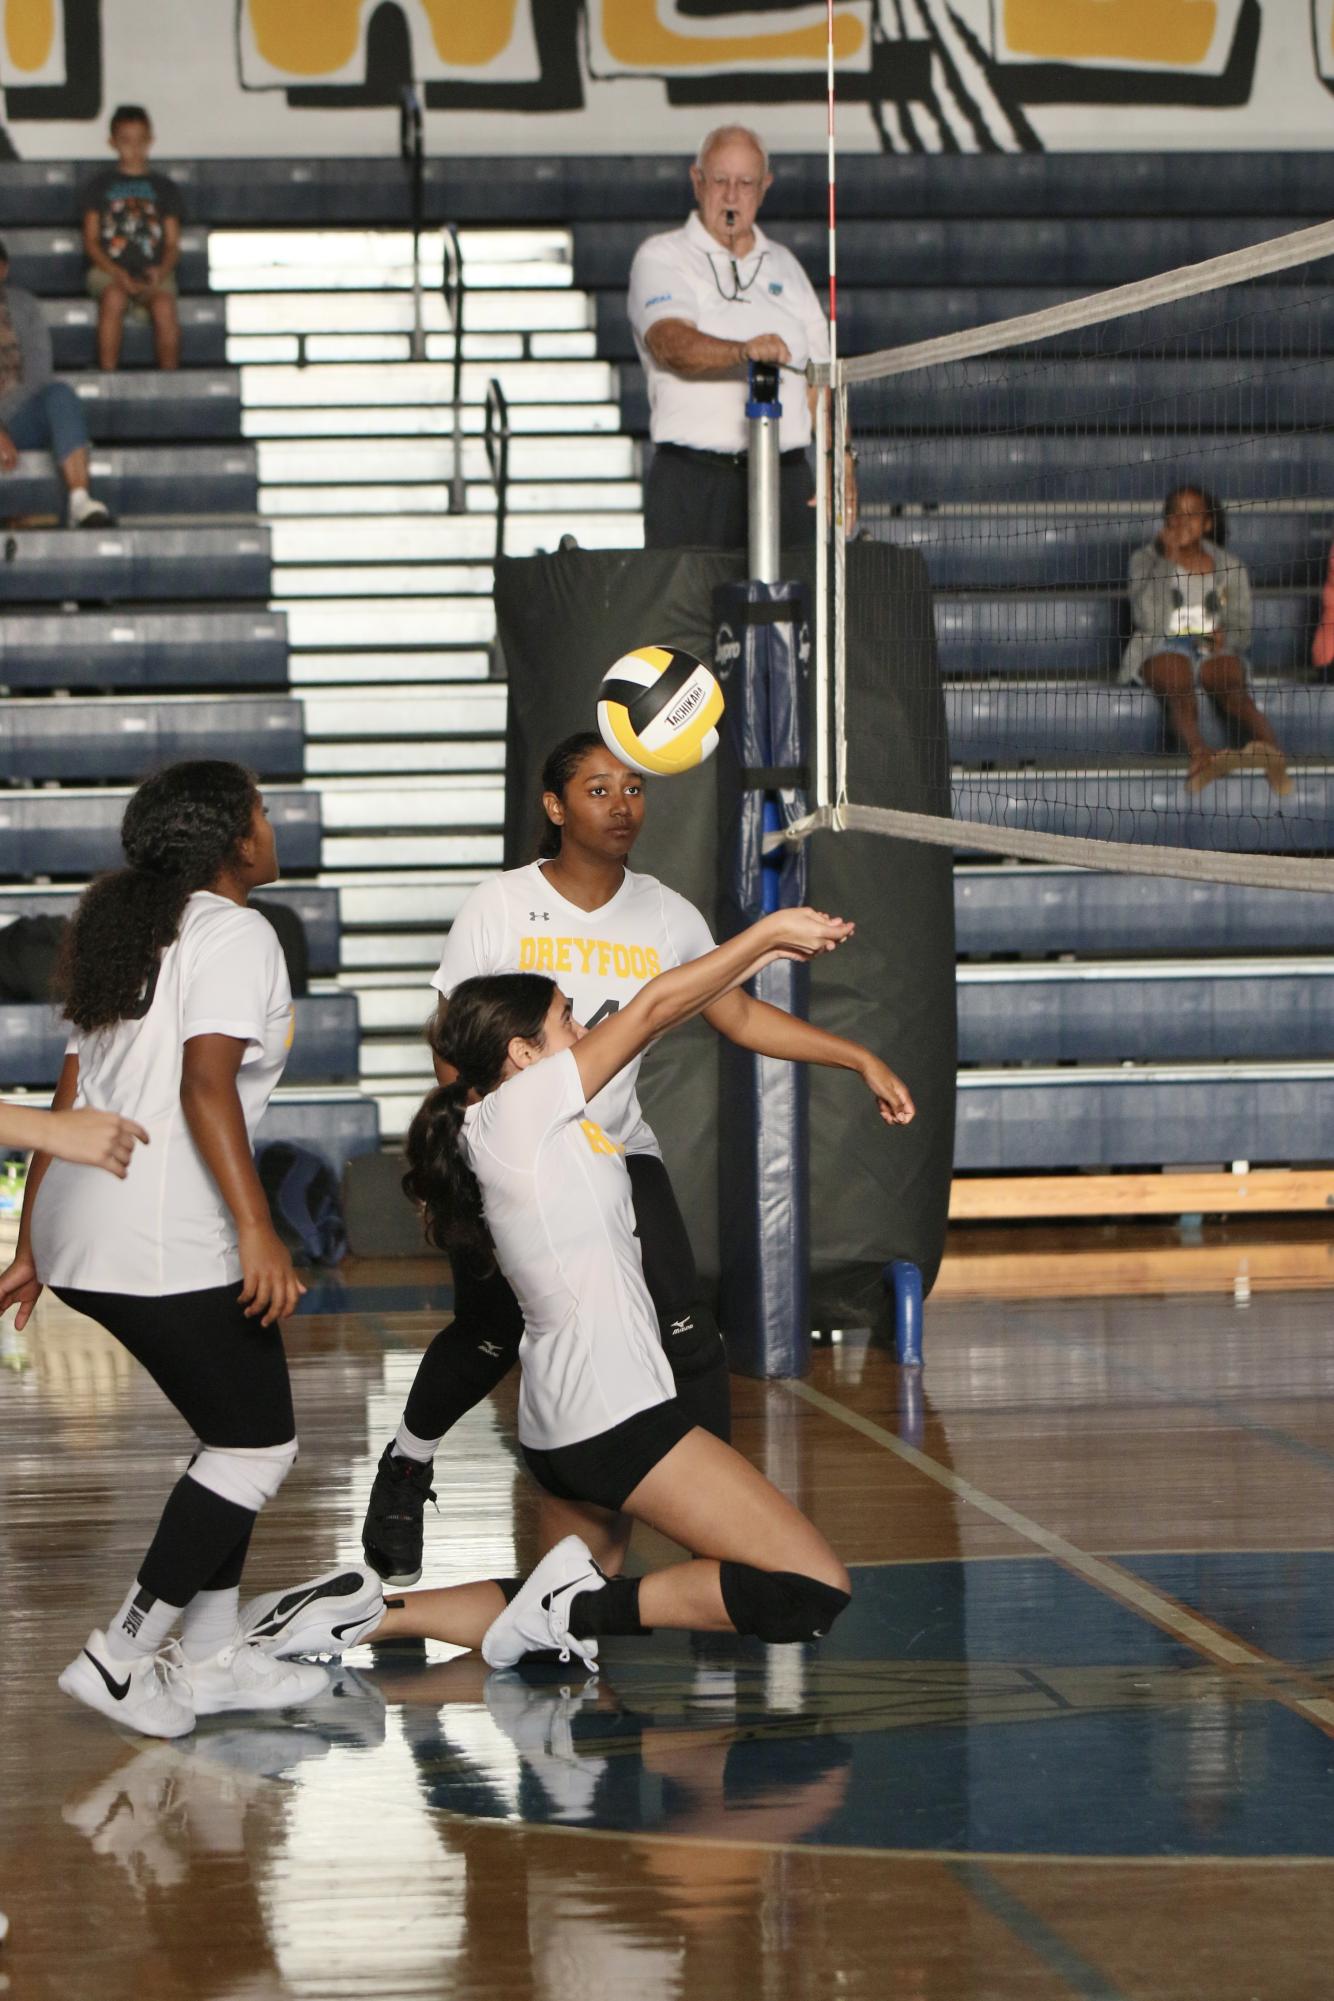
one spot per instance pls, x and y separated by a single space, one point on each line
118 1690
575 1584
296 1601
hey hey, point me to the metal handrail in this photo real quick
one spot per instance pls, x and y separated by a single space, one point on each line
412 152
454 291
496 439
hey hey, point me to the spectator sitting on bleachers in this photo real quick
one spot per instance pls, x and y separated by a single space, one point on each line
1322 646
37 413
132 234
1190 606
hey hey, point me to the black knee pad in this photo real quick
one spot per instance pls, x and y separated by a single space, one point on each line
779 1605
691 1341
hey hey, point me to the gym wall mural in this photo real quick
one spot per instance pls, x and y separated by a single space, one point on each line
319 76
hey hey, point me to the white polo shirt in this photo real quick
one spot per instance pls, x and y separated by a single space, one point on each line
558 1204
685 274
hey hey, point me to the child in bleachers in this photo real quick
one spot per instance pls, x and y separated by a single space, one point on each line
1191 609
132 234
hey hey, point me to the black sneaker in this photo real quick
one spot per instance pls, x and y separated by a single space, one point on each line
391 1534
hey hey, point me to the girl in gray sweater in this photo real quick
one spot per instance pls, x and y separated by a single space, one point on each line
1190 603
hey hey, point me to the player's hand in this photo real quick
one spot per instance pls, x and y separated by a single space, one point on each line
766 347
890 1092
270 1287
21 1287
801 933
93 1139
9 452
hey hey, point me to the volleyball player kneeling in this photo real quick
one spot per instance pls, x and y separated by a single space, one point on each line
182 1018
508 1157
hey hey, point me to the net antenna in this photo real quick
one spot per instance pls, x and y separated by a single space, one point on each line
1023 460
822 795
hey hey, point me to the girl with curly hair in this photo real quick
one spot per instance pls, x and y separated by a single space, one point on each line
180 1019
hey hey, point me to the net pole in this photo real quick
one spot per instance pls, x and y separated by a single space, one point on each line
822 446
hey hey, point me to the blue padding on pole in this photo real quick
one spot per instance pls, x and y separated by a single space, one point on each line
904 1282
763 1180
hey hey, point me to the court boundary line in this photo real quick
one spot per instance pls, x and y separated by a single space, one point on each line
1192 1629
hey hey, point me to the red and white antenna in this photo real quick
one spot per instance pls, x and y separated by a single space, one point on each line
833 252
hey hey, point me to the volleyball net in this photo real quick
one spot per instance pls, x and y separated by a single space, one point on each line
1085 585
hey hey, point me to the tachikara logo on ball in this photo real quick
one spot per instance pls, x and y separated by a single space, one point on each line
658 710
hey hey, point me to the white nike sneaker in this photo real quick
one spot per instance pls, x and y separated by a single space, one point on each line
147 1694
326 1615
539 1723
536 1618
242 1675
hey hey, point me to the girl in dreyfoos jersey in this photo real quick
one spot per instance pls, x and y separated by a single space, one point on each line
181 1018
509 1160
580 916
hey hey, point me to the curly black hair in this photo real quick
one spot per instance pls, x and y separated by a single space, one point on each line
181 829
472 1033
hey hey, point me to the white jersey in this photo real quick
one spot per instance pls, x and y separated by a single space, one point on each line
686 274
557 1199
517 923
166 1228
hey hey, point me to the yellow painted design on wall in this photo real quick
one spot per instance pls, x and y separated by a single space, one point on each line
30 33
471 33
1176 32
306 37
635 34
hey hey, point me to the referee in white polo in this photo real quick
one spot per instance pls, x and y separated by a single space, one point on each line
704 301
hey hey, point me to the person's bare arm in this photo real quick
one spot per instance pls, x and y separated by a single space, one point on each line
88 1138
93 251
677 996
171 250
678 345
20 1285
270 1287
769 1031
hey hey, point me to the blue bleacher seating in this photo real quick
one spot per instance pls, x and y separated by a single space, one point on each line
315 905
80 742
145 479
1196 1012
1051 633
1041 1121
1037 721
971 250
324 1042
1238 814
1037 911
50 261
1006 548
179 403
115 565
549 187
1052 469
338 1125
143 649
75 833
73 324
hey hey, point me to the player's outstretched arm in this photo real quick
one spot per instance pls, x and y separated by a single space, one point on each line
677 996
769 1031
88 1138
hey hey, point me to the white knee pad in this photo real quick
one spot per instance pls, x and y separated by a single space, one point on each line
247 1475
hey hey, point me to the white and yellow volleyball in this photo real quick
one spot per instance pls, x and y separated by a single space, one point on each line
658 710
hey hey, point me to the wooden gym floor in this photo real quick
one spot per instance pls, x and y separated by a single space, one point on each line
1074 1738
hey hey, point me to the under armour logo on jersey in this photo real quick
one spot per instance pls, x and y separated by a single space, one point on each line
543 915
490 1348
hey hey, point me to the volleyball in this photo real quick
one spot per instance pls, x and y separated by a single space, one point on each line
658 710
